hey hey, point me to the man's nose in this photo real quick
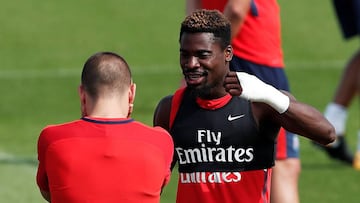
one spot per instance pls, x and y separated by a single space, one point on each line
193 62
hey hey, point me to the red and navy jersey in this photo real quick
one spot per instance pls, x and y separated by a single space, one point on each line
259 38
222 155
104 160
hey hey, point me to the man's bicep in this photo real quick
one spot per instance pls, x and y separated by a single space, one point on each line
162 113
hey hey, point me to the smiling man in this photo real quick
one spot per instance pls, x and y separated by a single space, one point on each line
224 124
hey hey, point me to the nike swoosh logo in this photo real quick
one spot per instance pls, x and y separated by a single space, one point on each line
231 118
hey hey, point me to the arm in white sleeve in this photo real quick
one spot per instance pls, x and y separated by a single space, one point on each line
256 90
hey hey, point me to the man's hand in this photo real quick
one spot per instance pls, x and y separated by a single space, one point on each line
232 84
252 88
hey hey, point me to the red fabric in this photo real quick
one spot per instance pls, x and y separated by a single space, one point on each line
259 39
239 187
214 103
281 151
175 104
83 161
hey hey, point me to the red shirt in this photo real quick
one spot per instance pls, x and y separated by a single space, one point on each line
104 160
259 38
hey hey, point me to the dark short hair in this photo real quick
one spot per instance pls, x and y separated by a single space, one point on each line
211 21
105 72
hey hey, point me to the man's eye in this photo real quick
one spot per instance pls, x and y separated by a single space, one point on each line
204 56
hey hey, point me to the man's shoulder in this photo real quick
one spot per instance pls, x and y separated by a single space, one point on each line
142 127
53 130
166 99
153 134
61 126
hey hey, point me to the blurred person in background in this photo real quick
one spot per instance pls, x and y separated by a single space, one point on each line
348 15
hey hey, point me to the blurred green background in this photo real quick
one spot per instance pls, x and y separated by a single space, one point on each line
43 45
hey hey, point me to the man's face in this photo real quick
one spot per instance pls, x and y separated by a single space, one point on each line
204 63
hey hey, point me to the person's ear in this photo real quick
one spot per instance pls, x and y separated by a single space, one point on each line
132 92
228 53
82 96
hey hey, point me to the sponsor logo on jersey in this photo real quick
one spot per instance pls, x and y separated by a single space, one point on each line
215 153
210 177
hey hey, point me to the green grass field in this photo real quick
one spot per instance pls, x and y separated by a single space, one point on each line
43 45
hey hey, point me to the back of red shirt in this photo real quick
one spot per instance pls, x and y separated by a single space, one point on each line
100 161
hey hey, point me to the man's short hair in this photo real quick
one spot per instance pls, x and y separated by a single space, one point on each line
210 21
105 73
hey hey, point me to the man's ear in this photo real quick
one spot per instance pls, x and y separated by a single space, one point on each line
228 53
132 92
82 96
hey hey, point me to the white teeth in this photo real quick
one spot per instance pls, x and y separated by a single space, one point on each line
194 76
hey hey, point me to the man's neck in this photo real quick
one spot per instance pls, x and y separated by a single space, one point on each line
109 109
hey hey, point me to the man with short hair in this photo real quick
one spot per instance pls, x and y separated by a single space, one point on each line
225 124
256 42
105 156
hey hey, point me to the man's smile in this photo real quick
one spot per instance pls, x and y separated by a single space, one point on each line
194 77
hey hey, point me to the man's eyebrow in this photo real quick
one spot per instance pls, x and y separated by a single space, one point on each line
203 51
197 51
